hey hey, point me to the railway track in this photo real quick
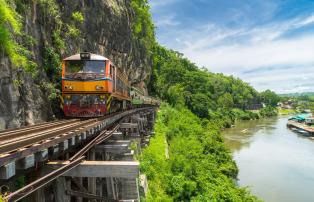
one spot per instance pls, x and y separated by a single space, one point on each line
16 144
7 134
24 138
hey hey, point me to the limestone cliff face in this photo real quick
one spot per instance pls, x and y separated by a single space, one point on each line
106 29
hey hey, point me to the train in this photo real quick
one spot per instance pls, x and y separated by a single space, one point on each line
93 86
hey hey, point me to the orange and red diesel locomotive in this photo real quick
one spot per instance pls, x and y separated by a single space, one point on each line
93 86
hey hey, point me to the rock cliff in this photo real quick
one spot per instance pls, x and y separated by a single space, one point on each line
53 29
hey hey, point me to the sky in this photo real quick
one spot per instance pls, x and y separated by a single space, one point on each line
267 43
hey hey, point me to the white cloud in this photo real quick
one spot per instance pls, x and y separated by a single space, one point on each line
239 57
234 51
166 21
159 3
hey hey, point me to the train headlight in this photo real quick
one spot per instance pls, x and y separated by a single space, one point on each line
99 88
68 87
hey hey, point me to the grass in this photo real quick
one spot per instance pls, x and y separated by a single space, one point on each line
286 111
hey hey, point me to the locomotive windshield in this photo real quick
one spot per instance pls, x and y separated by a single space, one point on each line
84 69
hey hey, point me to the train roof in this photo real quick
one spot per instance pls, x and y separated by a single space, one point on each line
137 89
92 57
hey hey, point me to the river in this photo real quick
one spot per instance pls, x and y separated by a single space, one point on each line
275 163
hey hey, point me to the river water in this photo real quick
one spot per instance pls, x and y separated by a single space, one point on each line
275 163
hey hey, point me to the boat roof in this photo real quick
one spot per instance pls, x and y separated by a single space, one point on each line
301 117
92 57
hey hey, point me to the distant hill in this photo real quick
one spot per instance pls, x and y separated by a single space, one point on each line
310 94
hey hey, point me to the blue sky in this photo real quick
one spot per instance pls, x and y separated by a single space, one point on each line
267 43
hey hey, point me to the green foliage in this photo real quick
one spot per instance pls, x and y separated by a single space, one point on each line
199 104
9 27
297 95
17 83
73 31
175 96
52 11
199 167
22 6
52 90
52 15
78 16
52 63
244 115
286 111
270 98
143 27
268 111
58 42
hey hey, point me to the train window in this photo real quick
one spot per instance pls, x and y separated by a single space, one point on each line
111 70
85 70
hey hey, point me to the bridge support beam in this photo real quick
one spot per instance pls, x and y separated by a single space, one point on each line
7 171
92 180
118 169
26 162
61 185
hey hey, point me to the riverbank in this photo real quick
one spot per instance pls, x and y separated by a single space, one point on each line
197 164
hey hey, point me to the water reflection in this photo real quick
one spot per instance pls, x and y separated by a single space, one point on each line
275 162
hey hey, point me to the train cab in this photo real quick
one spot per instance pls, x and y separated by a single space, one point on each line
91 84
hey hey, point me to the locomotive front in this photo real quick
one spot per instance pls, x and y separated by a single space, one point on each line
86 85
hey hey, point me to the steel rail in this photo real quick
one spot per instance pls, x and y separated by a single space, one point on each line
32 126
30 188
35 128
54 129
14 138
106 136
28 140
93 142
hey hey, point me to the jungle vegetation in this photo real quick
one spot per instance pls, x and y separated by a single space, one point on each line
187 160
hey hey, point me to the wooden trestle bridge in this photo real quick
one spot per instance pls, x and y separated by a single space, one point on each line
76 160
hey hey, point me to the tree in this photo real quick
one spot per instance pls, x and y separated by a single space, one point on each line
270 98
200 104
175 95
225 101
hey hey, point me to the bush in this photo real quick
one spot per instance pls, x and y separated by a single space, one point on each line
78 17
9 27
244 115
268 111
